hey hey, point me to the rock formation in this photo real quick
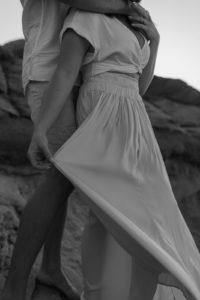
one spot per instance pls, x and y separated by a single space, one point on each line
174 110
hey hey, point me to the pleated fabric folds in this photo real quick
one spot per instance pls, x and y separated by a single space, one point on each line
114 160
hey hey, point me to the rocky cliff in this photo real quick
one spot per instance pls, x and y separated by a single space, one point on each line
174 110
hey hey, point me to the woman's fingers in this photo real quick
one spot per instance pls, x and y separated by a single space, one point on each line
147 27
137 19
38 152
140 26
38 159
45 149
139 10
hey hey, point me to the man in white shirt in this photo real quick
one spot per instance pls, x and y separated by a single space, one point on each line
44 216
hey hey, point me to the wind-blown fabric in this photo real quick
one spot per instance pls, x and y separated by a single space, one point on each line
115 160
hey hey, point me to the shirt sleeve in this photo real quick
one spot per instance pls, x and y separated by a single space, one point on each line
84 24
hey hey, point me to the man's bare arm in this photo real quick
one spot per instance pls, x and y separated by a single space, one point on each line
101 6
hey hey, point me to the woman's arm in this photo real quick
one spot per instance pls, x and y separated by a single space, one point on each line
146 25
73 50
148 71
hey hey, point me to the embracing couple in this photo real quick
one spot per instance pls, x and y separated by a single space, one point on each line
135 240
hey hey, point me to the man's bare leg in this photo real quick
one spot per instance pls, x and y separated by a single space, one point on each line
35 222
51 268
51 272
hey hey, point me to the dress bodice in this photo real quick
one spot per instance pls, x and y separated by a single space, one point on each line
115 47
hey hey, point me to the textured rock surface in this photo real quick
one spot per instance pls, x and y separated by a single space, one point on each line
174 110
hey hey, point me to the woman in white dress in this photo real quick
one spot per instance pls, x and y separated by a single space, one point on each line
136 238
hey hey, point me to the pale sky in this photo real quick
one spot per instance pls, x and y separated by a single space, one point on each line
178 22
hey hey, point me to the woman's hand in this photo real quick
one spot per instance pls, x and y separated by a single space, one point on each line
141 20
38 152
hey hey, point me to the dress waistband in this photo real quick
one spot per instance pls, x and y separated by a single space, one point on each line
113 82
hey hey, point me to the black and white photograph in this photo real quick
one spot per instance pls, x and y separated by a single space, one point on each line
99 150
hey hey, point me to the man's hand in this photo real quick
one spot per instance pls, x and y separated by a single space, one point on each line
38 152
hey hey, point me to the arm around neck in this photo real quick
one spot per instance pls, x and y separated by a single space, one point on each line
100 6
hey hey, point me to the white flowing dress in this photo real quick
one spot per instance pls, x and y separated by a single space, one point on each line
115 160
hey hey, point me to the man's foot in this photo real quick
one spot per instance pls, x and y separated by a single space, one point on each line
58 281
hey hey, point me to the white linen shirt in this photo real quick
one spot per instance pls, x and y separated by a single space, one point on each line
42 22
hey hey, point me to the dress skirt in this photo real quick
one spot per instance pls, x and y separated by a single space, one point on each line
115 160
